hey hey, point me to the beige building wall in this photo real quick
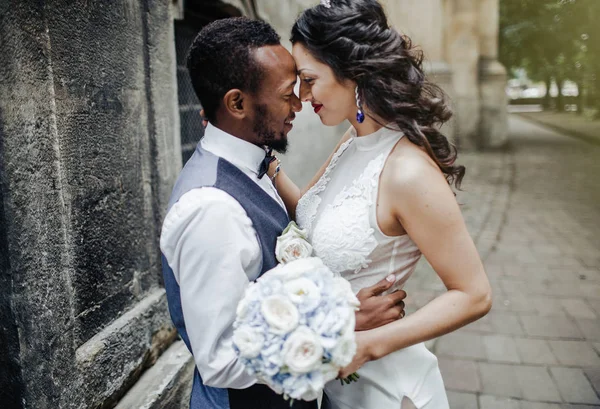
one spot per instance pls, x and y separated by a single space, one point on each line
424 22
460 42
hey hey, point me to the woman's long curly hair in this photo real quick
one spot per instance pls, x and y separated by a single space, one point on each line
354 39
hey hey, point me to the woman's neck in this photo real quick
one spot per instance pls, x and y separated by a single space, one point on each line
368 127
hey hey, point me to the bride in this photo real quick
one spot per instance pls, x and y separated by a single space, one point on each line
384 196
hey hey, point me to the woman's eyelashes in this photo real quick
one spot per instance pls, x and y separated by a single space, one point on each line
308 80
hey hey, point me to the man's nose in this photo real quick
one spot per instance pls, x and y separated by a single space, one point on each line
296 104
305 94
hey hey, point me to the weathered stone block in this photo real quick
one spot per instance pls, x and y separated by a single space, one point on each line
88 144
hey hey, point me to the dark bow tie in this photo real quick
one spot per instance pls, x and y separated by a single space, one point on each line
264 165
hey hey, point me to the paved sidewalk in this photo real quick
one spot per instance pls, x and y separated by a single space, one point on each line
534 213
568 123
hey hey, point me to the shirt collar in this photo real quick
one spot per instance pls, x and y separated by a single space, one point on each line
237 151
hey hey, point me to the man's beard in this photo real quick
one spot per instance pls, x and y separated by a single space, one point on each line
268 137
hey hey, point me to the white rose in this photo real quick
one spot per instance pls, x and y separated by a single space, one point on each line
317 382
249 341
292 248
350 325
343 290
345 350
315 386
243 308
329 372
295 269
304 292
280 313
302 351
293 230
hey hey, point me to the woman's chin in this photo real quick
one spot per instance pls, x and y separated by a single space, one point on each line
327 121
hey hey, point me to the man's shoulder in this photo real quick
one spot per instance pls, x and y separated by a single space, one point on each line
205 206
205 199
200 203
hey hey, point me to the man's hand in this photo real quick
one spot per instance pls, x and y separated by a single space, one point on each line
376 309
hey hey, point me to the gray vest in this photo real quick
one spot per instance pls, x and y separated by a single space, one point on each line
204 169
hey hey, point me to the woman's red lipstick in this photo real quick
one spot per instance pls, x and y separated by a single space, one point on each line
317 107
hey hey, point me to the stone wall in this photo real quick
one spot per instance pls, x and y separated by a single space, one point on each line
89 150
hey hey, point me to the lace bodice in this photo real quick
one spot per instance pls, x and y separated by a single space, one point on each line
339 213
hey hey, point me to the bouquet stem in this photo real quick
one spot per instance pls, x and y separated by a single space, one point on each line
351 378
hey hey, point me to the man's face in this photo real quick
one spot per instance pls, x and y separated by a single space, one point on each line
275 104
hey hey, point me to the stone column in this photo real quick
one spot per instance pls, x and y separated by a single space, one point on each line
492 75
424 22
88 152
462 51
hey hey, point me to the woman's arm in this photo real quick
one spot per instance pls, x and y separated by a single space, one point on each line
289 191
427 209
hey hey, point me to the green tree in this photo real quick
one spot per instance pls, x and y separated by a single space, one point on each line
551 40
583 22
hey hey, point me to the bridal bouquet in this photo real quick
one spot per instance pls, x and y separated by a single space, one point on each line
294 328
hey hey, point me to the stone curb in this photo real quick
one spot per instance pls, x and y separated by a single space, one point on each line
166 385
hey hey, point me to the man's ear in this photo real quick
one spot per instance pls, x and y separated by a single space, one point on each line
235 103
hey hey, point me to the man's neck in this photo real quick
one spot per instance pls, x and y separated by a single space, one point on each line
237 130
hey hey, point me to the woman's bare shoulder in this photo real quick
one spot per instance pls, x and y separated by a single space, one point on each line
416 184
409 164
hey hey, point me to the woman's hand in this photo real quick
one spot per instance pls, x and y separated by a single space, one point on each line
363 354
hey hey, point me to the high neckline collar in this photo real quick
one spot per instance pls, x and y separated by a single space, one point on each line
233 149
375 139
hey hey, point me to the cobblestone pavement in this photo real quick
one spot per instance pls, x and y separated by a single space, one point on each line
534 213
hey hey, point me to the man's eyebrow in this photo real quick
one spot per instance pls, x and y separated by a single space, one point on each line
286 86
292 83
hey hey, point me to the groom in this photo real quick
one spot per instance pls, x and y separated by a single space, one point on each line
224 216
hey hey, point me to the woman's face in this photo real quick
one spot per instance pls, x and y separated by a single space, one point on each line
331 100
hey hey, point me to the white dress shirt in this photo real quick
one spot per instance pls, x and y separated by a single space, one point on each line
212 248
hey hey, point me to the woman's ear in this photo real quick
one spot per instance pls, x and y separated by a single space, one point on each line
235 103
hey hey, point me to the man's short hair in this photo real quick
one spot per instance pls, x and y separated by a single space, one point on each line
221 59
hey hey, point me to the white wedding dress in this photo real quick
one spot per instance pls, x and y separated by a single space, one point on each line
339 213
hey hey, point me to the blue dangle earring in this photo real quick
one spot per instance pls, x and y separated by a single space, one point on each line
360 116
